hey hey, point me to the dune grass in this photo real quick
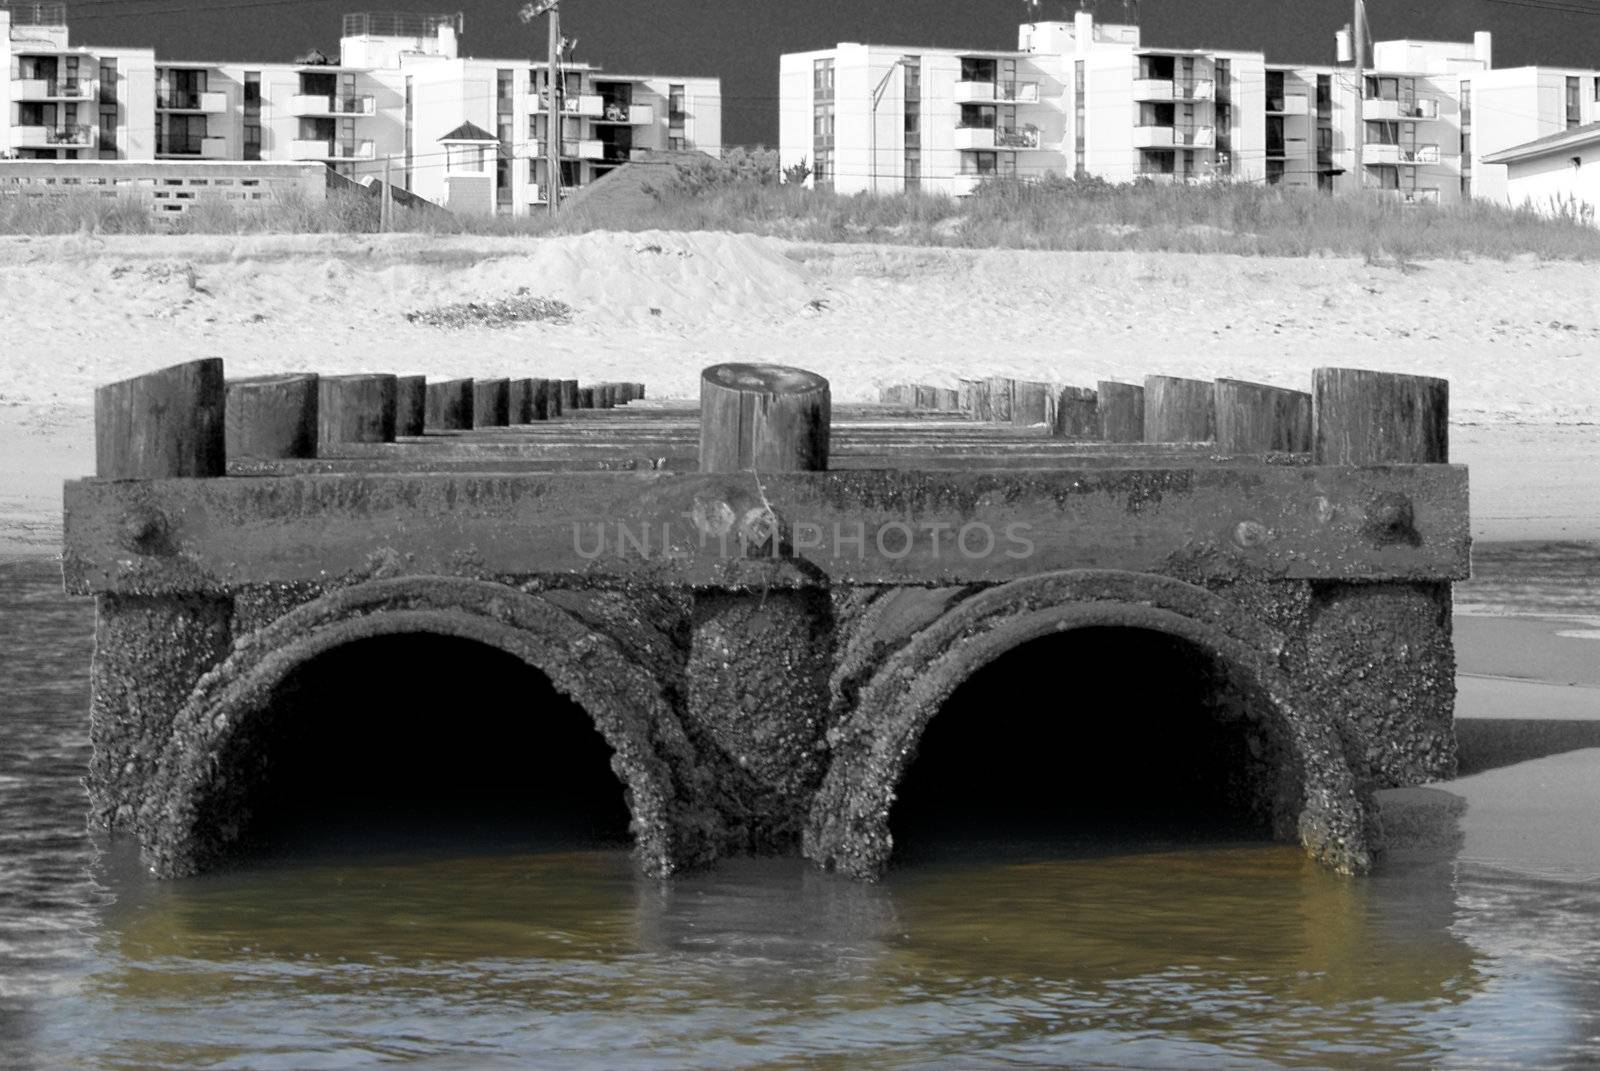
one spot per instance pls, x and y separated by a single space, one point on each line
1239 218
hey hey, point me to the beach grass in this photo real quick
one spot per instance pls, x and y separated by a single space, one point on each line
1055 214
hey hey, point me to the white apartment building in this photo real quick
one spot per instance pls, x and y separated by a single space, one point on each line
1087 98
398 91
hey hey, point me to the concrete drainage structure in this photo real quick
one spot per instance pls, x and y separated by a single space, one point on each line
763 602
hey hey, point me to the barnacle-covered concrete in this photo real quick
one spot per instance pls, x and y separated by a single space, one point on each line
772 702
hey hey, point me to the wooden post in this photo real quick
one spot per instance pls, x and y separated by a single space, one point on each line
520 405
765 417
638 392
1077 414
1253 418
967 394
949 400
585 397
605 396
410 405
1121 407
272 416
925 397
1001 392
982 400
164 424
1379 418
569 395
1030 404
355 409
450 405
491 403
539 399
1178 410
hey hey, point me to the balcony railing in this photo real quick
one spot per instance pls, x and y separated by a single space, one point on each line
974 92
53 88
1289 104
192 102
1017 92
1421 108
1153 89
974 137
1199 89
78 134
583 148
315 104
1026 137
199 146
591 105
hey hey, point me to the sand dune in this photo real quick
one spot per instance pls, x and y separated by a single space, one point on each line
1517 340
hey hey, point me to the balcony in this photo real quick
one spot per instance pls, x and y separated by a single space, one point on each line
311 150
974 92
1377 108
1409 197
1153 137
974 137
364 149
1017 92
42 137
1421 108
52 89
1026 137
1290 104
589 105
208 103
1199 89
632 114
308 104
1194 137
583 149
193 147
1379 154
1153 89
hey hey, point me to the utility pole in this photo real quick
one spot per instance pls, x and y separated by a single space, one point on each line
552 153
1358 39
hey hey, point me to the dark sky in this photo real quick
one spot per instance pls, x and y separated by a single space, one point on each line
740 40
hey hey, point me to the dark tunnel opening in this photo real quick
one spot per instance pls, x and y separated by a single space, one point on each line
428 743
1093 741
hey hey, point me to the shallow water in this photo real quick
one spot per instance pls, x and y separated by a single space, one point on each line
1198 955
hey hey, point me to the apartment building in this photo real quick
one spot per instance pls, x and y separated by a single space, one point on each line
394 98
1083 97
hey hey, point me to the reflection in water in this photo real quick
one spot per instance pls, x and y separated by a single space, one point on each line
533 953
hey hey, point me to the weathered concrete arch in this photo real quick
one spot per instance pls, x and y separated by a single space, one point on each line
848 828
195 804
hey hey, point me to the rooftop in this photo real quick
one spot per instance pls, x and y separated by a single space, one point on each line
1550 143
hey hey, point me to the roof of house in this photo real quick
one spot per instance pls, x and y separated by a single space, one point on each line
1559 142
469 132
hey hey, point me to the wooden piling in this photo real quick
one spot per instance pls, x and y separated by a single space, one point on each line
1379 418
269 417
1178 410
1000 395
765 417
966 395
569 395
949 400
355 409
168 423
1031 404
1077 414
925 397
410 405
449 405
1253 418
539 399
585 397
982 391
519 401
491 403
1121 409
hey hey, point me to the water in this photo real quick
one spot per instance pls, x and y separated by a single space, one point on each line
1236 955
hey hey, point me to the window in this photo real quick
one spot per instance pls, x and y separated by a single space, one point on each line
252 90
1223 72
1274 172
822 169
252 141
1324 96
913 169
505 87
1577 162
675 104
1466 102
1574 108
677 144
108 130
822 79
1078 82
108 81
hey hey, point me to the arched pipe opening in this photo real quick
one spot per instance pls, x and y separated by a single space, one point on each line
416 699
1095 740
1062 697
424 742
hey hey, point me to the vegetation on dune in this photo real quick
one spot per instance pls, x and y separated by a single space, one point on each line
747 192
